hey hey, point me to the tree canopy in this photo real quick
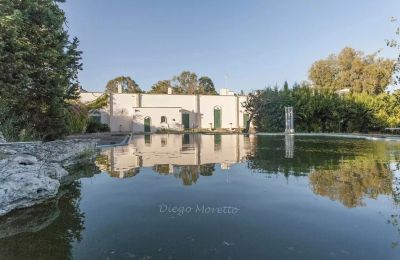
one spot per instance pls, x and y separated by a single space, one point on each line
206 86
395 44
161 87
127 84
353 70
39 66
185 83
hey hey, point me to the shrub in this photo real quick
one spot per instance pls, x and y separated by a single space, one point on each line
96 127
77 118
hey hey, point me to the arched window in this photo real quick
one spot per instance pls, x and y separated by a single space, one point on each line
163 119
217 117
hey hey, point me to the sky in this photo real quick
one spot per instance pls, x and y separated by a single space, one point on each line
239 44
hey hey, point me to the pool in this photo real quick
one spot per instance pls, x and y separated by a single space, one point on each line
221 197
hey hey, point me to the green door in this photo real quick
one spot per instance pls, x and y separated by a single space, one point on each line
217 118
245 120
147 122
185 120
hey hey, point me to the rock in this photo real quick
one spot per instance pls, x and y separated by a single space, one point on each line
66 152
32 172
26 181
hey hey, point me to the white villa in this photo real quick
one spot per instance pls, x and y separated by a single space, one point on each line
151 112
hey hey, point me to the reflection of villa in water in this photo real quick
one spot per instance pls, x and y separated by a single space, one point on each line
168 153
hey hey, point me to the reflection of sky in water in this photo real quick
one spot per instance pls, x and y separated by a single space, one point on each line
298 198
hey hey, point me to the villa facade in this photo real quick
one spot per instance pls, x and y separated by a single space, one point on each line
151 112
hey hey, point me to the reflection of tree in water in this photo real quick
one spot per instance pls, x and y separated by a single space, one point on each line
343 170
189 174
103 162
269 155
352 181
346 170
207 169
125 174
162 169
50 242
394 219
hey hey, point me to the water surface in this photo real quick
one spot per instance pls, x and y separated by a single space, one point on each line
221 197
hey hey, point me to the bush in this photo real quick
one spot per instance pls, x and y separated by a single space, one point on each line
77 118
319 111
96 127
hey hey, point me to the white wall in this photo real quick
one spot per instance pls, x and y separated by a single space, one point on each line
122 112
89 96
228 110
186 102
173 114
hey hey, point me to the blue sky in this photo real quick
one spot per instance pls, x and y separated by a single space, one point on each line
240 44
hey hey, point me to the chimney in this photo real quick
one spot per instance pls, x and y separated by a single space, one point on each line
169 90
119 88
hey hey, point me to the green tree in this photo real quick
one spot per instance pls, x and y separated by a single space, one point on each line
161 87
395 44
38 67
254 105
127 84
353 70
285 86
206 86
186 83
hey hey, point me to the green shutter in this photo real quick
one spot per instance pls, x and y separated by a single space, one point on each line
185 120
245 120
217 118
147 127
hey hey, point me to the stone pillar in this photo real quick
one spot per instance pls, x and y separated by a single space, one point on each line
237 112
289 129
197 111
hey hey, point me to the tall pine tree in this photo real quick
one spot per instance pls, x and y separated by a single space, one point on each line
39 65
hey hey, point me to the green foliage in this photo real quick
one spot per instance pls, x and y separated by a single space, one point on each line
206 86
127 84
254 105
38 68
395 44
185 83
99 102
96 127
353 70
77 118
161 87
318 111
